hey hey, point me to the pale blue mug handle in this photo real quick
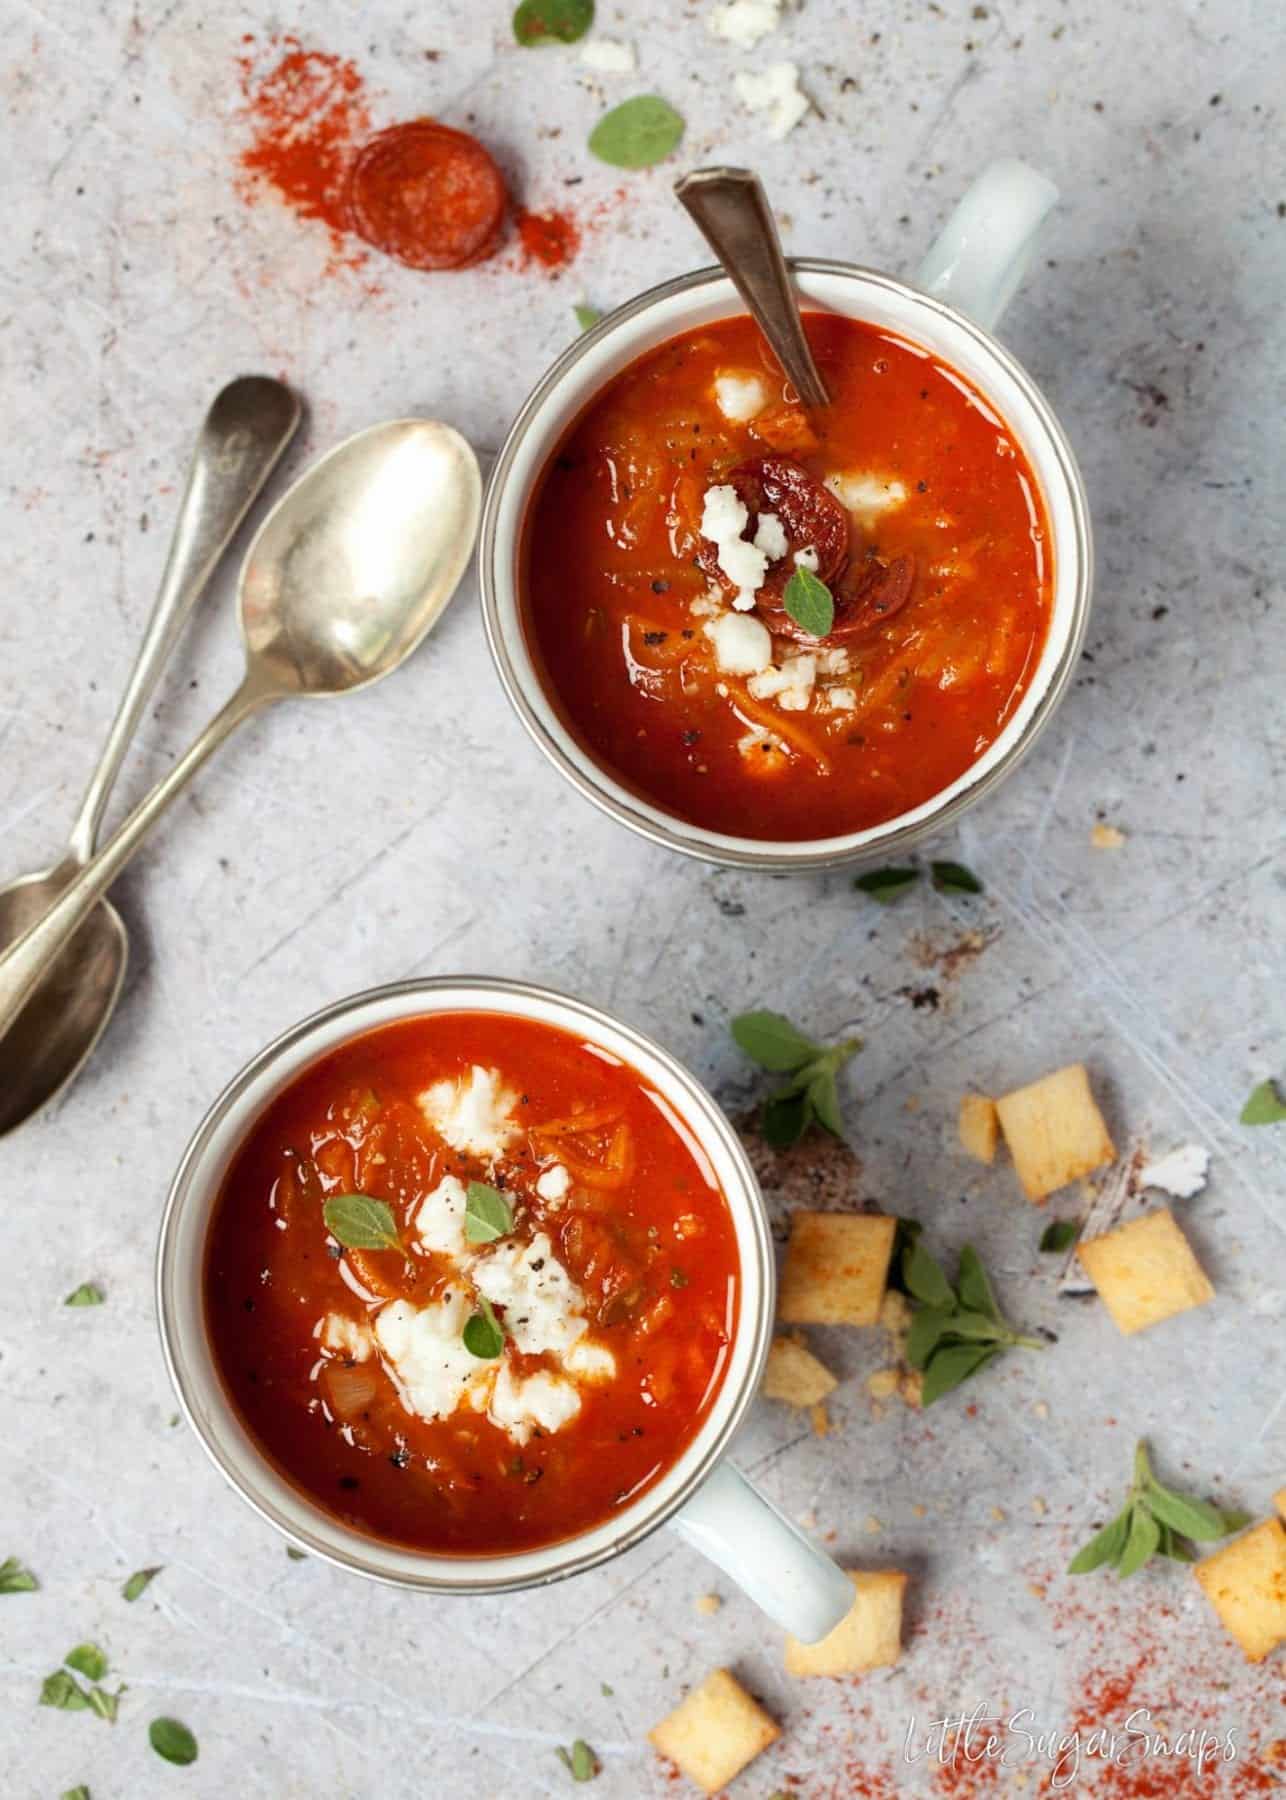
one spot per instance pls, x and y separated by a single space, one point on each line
982 252
768 1557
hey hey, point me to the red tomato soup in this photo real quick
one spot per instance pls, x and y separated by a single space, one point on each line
656 575
553 1328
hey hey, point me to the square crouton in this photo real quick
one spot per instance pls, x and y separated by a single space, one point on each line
837 1265
1145 1271
1245 1582
715 1732
979 1127
870 1637
793 1374
1055 1131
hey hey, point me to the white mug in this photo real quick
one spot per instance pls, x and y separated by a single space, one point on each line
701 1496
965 283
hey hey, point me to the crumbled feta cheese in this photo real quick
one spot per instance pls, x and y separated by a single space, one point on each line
723 519
1181 1172
425 1350
865 494
609 56
776 91
345 1336
541 1401
841 699
770 537
740 397
807 558
553 1182
796 675
472 1114
742 645
440 1221
544 1308
744 22
708 605
590 1361
833 661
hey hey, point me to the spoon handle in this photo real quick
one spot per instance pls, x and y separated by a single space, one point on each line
732 212
249 424
29 959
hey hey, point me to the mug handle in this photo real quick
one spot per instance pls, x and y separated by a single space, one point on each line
782 1571
982 252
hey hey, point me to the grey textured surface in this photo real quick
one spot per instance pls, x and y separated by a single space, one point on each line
414 829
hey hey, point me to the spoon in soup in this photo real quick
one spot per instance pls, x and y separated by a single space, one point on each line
345 577
731 211
249 424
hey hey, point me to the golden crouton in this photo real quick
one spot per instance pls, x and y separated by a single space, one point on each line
1245 1582
1055 1131
868 1637
1145 1271
793 1374
979 1127
837 1265
715 1732
1279 1501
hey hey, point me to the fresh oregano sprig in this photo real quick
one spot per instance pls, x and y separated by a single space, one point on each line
1155 1521
810 1094
955 1331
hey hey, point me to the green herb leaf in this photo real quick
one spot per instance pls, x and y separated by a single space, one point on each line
823 1097
637 133
587 316
1141 1544
1104 1547
295 1554
88 1660
552 21
1173 1546
580 1761
139 1580
809 602
1265 1106
951 1365
105 1705
925 1279
770 1039
173 1741
973 1286
359 1223
785 1119
1191 1518
976 1327
887 885
484 1335
77 1793
605 1691
87 1294
488 1215
16 1578
954 878
63 1691
928 1326
1060 1234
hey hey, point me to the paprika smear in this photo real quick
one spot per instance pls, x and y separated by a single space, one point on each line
550 1330
662 540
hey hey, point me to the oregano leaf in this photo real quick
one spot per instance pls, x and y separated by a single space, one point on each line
1104 1547
88 1660
484 1335
537 22
924 1277
1264 1107
887 885
637 133
360 1223
1060 1234
951 1365
810 603
488 1215
973 1286
172 1740
770 1039
954 878
1141 1543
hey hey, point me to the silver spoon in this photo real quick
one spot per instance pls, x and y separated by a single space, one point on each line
346 575
732 212
246 429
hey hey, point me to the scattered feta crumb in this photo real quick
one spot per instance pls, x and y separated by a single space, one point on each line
807 558
1182 1172
770 537
744 22
723 519
864 494
833 661
708 605
440 1221
345 1336
544 1308
708 1603
841 699
609 56
1107 837
791 685
740 397
742 645
775 91
425 1349
520 1405
472 1114
590 1361
553 1182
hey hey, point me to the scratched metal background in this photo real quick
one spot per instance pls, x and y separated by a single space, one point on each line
413 829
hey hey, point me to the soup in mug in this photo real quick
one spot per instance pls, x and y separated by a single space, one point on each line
656 578
471 1284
